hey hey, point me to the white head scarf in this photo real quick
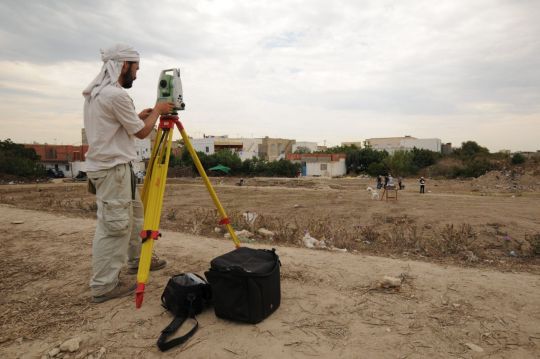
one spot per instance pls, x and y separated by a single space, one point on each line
113 60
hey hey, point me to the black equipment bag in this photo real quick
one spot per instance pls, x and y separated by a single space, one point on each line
245 284
184 296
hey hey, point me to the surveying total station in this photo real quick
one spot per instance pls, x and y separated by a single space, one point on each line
170 90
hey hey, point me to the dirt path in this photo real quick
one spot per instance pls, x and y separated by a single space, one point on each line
331 304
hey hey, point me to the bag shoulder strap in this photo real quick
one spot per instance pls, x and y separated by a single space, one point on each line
176 323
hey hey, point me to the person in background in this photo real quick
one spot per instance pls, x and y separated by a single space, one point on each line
379 182
422 182
400 182
111 126
390 181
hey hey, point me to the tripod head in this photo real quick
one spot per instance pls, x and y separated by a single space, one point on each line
170 89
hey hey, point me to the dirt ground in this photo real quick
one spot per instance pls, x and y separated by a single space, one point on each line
466 253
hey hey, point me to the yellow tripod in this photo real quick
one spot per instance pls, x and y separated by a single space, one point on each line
154 189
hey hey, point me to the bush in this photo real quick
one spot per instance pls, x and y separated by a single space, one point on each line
376 169
423 158
359 160
17 160
469 150
517 159
401 163
475 168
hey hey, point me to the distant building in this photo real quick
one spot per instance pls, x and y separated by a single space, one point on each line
59 157
530 154
143 148
320 164
245 148
273 149
392 144
446 148
251 147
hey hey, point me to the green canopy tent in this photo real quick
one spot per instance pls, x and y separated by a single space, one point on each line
221 168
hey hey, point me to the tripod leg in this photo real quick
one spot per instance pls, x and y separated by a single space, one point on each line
152 197
221 210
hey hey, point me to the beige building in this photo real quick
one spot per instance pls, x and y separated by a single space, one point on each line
273 149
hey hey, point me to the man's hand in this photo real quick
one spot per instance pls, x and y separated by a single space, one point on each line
164 108
145 113
150 116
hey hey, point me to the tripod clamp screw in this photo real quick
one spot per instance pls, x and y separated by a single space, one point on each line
147 233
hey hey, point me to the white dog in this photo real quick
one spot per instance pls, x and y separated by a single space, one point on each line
374 193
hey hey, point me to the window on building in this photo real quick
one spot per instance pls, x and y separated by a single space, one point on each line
67 167
324 166
207 149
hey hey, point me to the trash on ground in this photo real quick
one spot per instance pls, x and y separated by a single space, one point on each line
310 242
265 232
391 282
250 217
474 347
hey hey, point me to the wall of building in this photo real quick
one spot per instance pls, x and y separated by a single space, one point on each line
326 168
393 144
205 145
432 144
144 149
320 164
273 149
251 147
75 167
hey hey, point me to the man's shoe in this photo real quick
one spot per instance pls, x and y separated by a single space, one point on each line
155 264
122 289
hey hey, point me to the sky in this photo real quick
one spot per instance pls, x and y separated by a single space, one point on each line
321 71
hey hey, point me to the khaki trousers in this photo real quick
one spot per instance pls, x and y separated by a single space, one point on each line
120 217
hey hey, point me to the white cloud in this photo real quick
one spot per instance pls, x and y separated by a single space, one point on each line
310 70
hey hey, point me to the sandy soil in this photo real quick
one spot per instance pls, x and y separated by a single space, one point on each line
332 304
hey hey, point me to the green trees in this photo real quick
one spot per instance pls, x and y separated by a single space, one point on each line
365 160
469 150
476 160
469 160
249 167
400 163
15 159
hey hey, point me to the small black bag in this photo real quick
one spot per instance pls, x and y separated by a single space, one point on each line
245 284
185 295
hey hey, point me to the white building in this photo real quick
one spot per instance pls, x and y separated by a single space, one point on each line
392 144
320 164
246 148
251 147
144 148
205 145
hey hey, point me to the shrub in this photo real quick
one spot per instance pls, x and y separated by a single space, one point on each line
17 160
517 159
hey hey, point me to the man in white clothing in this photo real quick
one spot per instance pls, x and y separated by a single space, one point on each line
111 125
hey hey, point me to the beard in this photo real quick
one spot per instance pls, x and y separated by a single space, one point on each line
127 80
